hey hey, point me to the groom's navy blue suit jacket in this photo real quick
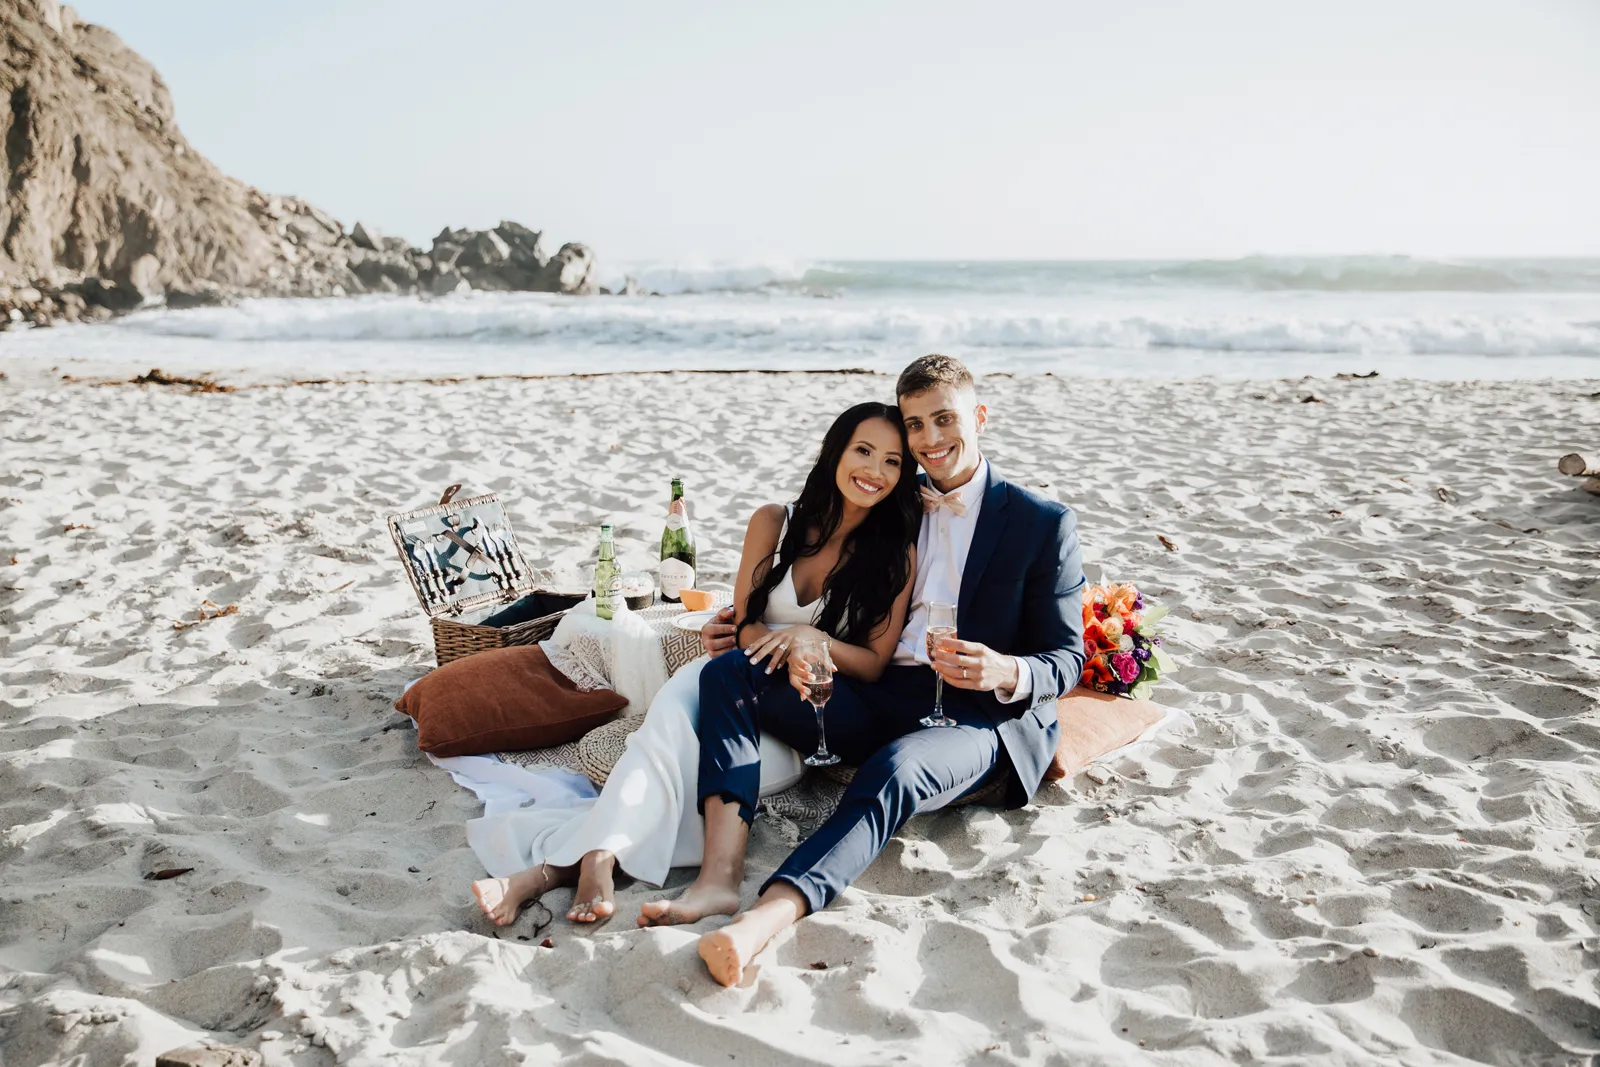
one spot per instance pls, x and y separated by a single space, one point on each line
1022 595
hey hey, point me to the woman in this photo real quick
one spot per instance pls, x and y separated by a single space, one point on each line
837 564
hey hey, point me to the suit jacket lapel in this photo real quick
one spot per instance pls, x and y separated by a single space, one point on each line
991 521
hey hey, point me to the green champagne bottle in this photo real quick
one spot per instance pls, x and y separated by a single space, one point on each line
677 547
607 577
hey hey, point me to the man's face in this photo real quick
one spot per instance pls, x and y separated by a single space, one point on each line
942 425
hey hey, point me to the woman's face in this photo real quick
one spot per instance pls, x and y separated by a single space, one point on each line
870 467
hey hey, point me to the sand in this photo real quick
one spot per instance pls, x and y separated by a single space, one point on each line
1379 844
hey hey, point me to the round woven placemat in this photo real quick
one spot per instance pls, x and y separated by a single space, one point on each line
600 748
843 773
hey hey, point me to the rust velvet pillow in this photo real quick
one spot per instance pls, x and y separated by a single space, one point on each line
1093 724
504 700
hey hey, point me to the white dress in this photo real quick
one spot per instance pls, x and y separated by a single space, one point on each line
647 813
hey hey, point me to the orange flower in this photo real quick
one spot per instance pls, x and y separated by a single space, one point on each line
1097 673
1094 637
1120 598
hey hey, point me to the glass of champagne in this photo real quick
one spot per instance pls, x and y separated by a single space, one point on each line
812 655
941 624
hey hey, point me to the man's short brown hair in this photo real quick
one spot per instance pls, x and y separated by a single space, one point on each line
928 372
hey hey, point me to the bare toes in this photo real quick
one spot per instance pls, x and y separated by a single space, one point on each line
491 894
591 911
720 952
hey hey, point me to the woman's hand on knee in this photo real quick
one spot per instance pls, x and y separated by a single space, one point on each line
772 647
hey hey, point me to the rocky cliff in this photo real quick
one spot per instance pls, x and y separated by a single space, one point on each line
106 207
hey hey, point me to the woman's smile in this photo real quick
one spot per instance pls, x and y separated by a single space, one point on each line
870 467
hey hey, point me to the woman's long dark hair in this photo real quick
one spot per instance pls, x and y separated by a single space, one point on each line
873 566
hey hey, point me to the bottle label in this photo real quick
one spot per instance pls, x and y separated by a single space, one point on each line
676 522
608 598
676 576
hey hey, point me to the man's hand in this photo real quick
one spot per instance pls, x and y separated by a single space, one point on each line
716 636
970 665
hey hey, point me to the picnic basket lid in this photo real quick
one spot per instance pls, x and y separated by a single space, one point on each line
461 554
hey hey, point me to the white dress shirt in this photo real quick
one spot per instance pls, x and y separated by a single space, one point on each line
942 547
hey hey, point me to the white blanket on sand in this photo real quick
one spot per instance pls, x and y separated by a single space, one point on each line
506 787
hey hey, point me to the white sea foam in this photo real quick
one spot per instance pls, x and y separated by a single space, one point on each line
753 326
1161 320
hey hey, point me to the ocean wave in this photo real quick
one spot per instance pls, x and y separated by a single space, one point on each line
684 327
1337 274
1389 274
692 276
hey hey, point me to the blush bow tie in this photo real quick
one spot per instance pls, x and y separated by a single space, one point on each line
932 501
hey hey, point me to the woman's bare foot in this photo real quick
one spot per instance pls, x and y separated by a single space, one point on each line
593 900
502 899
728 951
698 901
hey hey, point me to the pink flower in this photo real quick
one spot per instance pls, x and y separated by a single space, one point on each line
1126 666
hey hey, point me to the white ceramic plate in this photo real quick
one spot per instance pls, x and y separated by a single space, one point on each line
693 620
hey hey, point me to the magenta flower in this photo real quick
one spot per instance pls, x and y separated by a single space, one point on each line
1125 665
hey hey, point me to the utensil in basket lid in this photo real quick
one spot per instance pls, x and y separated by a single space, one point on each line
461 554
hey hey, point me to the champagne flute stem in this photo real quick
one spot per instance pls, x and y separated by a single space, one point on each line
938 696
822 737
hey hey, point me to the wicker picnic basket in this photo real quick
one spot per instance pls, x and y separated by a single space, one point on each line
464 564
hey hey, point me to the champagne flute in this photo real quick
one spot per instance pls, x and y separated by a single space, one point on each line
941 624
812 654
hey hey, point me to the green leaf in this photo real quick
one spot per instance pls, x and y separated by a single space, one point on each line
1149 619
1162 661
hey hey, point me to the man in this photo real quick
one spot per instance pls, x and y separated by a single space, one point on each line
1009 560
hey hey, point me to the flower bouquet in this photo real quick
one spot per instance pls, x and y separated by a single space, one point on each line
1123 653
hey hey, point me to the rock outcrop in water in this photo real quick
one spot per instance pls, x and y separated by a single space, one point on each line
106 207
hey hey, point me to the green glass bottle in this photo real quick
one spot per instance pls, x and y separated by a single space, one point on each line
677 547
607 576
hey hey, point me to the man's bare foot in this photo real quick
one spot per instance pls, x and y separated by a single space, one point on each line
728 951
502 899
593 900
698 901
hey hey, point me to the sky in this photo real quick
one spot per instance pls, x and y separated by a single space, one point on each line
1005 130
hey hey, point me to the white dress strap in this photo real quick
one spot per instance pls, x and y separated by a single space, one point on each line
788 513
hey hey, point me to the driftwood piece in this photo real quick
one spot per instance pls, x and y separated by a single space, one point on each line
1575 466
1592 485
